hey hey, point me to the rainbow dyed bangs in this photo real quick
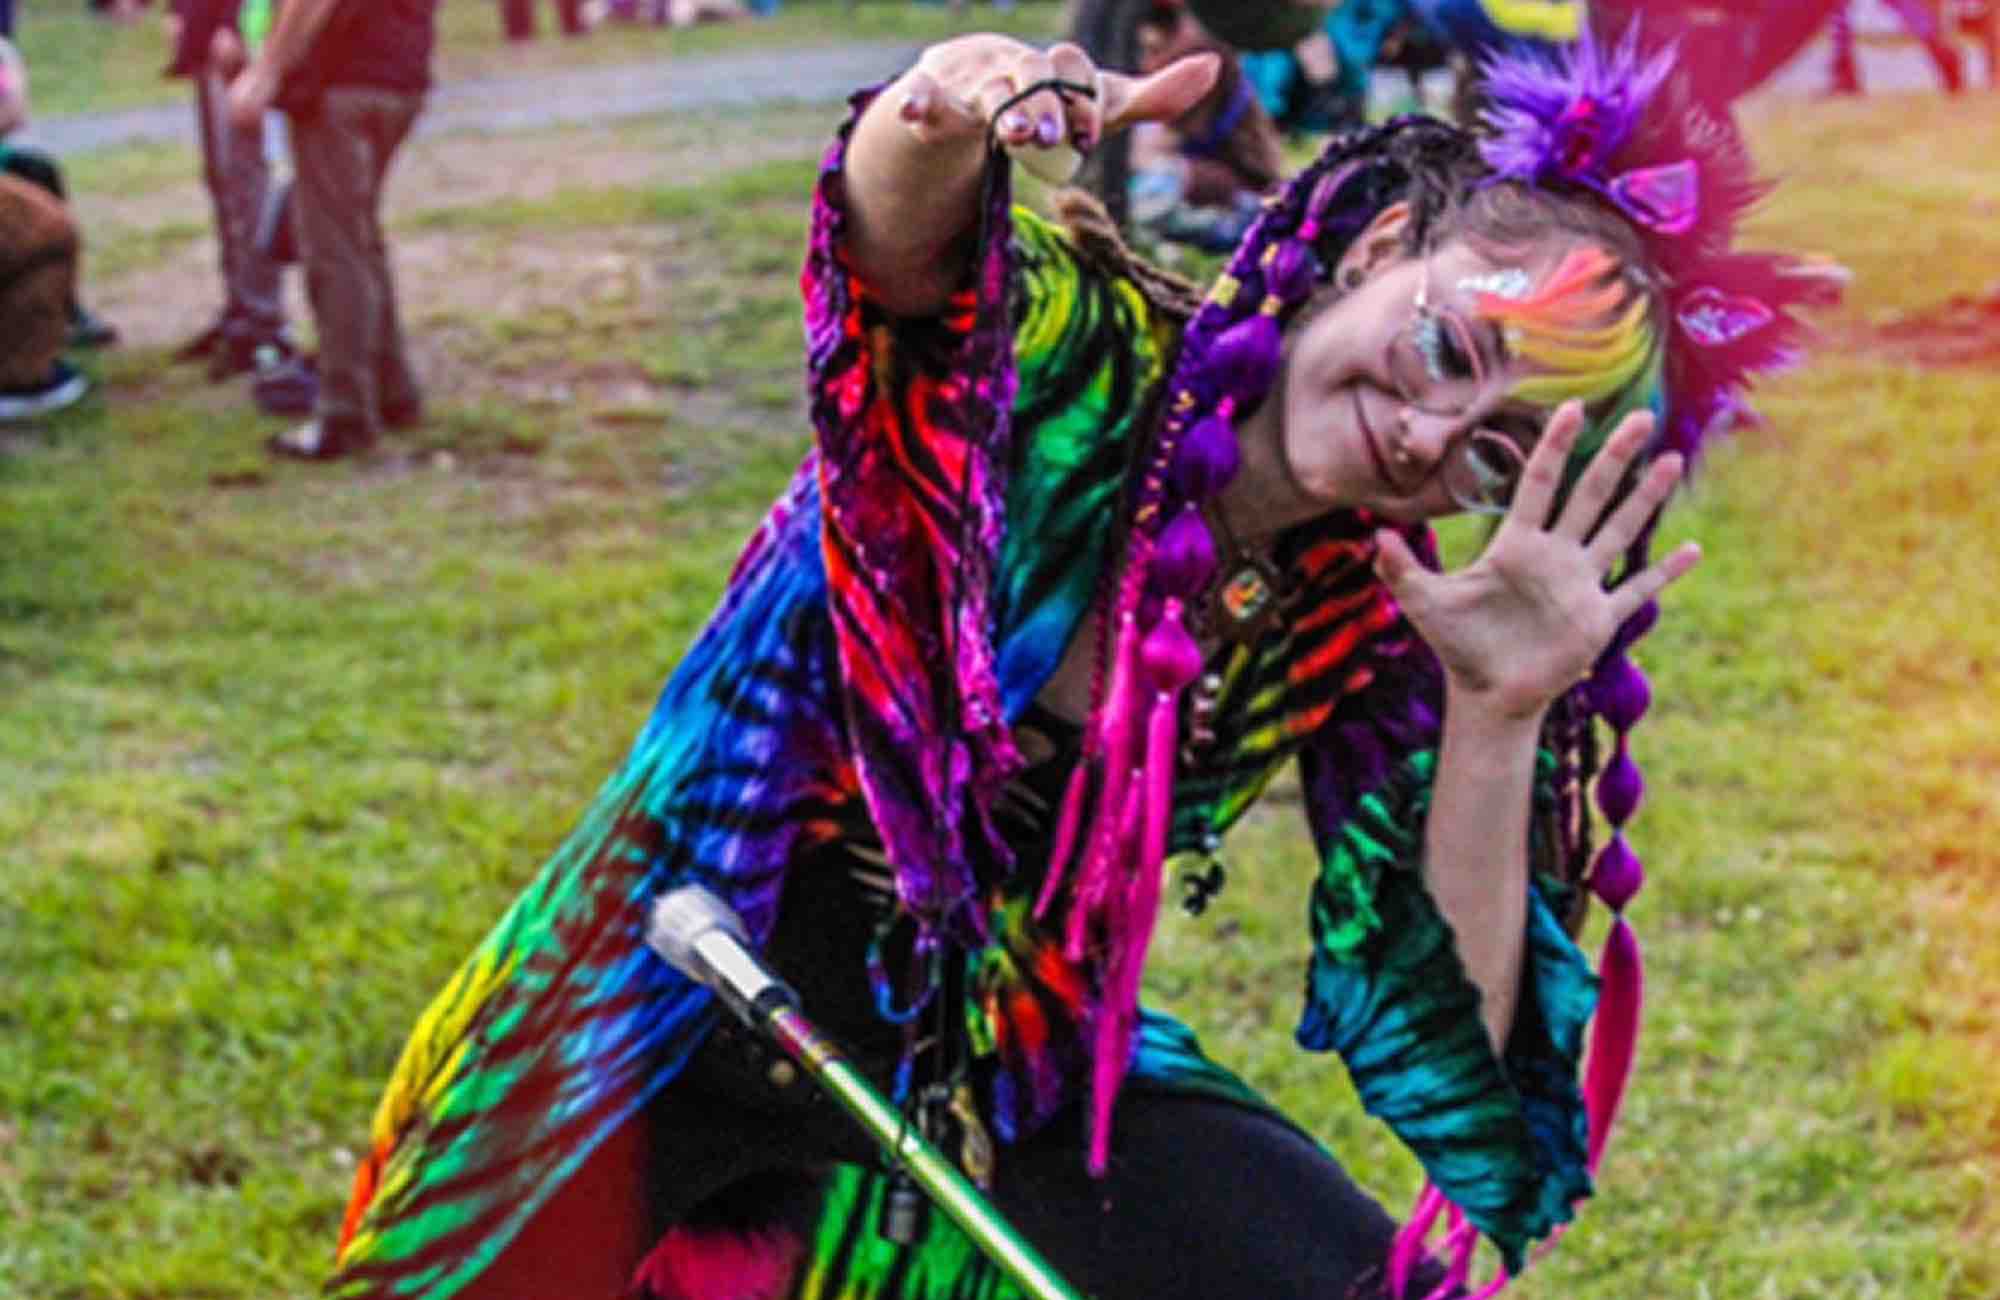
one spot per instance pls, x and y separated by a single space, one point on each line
1585 334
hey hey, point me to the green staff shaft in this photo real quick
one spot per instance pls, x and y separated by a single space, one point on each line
940 1179
698 934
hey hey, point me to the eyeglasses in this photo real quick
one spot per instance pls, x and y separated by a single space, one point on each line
1435 366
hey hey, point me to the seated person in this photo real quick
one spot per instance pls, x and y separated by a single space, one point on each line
1201 178
1322 83
38 250
39 169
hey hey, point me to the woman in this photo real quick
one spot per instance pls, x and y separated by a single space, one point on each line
1078 562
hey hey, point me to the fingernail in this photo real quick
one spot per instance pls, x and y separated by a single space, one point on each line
1048 131
1014 122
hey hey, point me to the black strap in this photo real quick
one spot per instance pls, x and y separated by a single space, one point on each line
1062 88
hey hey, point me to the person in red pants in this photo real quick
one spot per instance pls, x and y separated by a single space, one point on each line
1919 22
517 18
352 76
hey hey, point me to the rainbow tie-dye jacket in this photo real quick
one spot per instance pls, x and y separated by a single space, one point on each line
908 596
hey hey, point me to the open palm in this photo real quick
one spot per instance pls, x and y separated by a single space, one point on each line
1526 619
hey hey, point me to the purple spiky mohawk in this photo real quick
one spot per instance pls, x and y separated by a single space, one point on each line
1613 120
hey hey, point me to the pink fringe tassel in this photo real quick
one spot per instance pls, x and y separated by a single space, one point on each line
1409 1244
1116 744
1614 1035
1122 893
1123 656
1153 798
1459 1243
1614 1038
1114 1016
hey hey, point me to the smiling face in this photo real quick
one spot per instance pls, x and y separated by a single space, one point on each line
1385 384
1419 391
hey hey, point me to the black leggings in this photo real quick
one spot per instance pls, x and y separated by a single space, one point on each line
1204 1197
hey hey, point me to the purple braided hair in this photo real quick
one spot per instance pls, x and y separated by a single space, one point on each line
1113 827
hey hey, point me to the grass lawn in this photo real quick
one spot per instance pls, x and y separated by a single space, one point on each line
79 63
280 742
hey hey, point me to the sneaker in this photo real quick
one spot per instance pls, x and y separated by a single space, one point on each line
203 345
65 386
320 440
89 330
243 354
287 384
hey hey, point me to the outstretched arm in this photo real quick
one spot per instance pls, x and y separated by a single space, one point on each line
914 164
1514 630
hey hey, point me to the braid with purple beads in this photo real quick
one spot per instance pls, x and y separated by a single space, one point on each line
1113 827
1610 124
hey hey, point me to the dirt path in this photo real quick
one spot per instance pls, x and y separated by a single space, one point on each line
162 302
768 76
552 99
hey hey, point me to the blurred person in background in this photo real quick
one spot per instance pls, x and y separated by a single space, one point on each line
517 18
235 167
1321 84
38 253
351 77
1920 23
1200 180
85 329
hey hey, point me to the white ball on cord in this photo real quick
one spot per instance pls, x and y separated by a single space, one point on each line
1055 165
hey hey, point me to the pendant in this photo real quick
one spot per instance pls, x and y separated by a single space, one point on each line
1246 601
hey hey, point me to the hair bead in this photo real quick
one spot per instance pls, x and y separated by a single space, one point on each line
1185 558
1620 788
1244 358
1207 458
1170 657
1289 272
1618 874
1633 629
1619 692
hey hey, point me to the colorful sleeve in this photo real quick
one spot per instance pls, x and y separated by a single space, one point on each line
915 419
1503 1138
521 1096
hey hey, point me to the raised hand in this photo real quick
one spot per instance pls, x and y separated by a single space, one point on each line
915 161
960 86
1528 618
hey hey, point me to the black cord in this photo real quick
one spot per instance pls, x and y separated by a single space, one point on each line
1064 89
